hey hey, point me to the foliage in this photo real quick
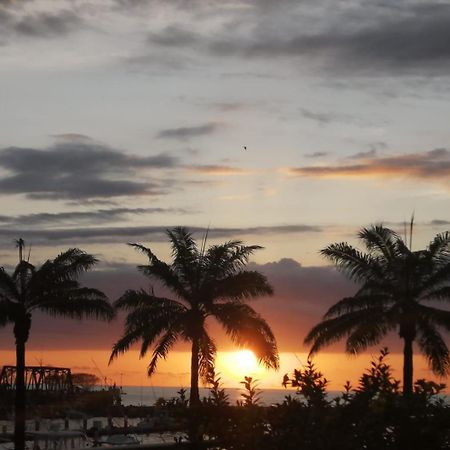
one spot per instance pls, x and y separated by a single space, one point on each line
206 282
374 415
85 381
218 397
396 288
310 384
54 289
378 381
251 395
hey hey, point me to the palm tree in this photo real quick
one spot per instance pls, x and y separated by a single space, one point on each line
53 288
206 283
397 287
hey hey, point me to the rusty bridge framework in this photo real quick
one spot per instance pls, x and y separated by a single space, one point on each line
38 379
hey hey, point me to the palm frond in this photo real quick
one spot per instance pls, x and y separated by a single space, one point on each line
207 353
380 239
439 278
436 316
441 294
248 329
434 348
228 258
149 316
162 348
333 330
185 255
23 273
8 287
356 303
369 332
73 262
161 271
355 264
76 303
141 303
7 310
439 247
130 337
240 286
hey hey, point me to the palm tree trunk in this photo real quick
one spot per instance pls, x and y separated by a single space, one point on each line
21 332
408 367
20 400
194 397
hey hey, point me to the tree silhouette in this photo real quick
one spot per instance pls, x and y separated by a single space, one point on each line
207 283
397 286
54 289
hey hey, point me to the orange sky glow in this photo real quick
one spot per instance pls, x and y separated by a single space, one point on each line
131 371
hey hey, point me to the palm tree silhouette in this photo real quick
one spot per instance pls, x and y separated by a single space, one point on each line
207 283
53 288
397 285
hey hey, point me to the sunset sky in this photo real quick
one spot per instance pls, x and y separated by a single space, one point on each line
122 118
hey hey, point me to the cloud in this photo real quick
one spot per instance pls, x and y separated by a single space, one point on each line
228 106
78 170
432 166
355 38
41 25
140 233
316 154
22 20
184 133
302 295
439 222
325 118
363 155
218 170
73 137
80 217
174 36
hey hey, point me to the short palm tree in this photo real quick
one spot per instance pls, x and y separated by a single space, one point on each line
398 288
53 288
206 283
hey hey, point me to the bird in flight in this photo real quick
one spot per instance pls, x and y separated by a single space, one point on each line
245 147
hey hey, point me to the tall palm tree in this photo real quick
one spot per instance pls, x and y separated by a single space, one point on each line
54 289
206 283
397 287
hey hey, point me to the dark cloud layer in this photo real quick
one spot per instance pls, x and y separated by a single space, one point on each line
354 38
78 170
302 295
79 217
350 38
130 233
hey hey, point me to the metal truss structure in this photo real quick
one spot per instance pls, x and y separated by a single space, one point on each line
38 379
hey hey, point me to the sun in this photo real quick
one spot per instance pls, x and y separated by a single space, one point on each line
234 366
245 362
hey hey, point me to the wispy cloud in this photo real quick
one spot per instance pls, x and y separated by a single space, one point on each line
316 154
184 133
82 217
130 233
218 170
433 165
